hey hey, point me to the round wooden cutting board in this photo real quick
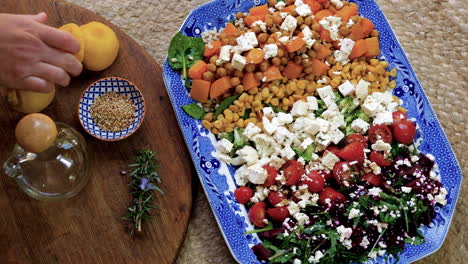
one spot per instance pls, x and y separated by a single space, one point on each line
88 228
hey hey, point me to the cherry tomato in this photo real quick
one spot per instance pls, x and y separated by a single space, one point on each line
379 158
314 181
398 115
334 196
243 194
352 152
356 138
326 174
278 214
344 173
272 174
293 171
257 214
333 149
380 132
372 178
275 198
404 131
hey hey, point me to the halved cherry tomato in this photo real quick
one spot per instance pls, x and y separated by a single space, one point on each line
380 132
326 174
243 194
292 171
314 181
344 173
278 214
352 152
379 158
257 214
372 178
334 196
404 131
275 198
272 174
356 138
333 149
398 115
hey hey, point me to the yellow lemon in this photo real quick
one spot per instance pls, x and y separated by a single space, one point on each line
102 46
36 132
75 30
30 102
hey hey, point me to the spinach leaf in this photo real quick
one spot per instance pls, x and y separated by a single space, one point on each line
194 110
184 51
225 104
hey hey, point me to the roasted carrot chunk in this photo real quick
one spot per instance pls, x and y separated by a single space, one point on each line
289 9
292 70
231 30
347 12
322 52
212 49
255 56
259 10
197 70
249 81
319 67
359 49
273 73
249 20
362 29
313 4
295 44
200 90
322 13
373 47
220 87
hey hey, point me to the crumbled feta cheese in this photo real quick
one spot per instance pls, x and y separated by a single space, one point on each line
323 139
238 62
360 126
284 136
375 191
347 243
301 218
323 80
380 145
284 118
248 154
268 112
316 125
383 118
347 88
330 103
362 89
350 23
332 24
257 174
308 37
336 135
224 146
260 194
346 45
375 168
284 15
287 153
326 91
345 232
271 50
338 3
305 143
299 108
246 41
297 261
302 9
329 159
262 25
224 54
314 259
364 242
293 208
223 157
353 213
241 176
280 5
312 103
251 130
371 107
289 24
283 40
270 126
441 197
266 145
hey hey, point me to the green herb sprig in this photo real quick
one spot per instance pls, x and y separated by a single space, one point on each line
144 177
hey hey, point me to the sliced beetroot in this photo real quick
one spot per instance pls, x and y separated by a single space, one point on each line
261 252
271 234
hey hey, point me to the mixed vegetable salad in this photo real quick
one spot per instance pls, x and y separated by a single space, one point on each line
326 161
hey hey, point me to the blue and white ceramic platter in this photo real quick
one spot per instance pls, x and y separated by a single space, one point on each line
100 87
217 178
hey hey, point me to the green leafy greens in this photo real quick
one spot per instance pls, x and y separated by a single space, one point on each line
194 110
184 52
225 104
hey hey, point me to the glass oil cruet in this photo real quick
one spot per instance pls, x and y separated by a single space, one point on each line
50 160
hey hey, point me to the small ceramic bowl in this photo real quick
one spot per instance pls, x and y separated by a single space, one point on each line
100 87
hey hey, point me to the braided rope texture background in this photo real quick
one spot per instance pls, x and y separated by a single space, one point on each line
434 34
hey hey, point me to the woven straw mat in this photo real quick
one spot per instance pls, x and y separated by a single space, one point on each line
434 35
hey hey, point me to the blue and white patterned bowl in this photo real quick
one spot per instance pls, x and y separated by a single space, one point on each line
217 177
100 87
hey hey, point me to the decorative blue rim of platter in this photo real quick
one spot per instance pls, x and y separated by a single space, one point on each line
217 178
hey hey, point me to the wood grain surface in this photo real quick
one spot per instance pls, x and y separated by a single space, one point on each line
88 228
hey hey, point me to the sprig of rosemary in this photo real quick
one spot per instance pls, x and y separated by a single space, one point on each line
144 177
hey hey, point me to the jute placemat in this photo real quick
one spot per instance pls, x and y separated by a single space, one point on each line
434 33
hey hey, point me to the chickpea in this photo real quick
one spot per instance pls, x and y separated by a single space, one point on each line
280 52
277 19
311 53
225 41
213 59
308 70
238 73
272 2
221 72
264 66
274 29
239 15
344 31
281 68
300 20
356 19
208 76
284 60
250 67
211 67
375 33
256 29
308 20
235 81
316 27
276 61
269 21
262 38
298 59
259 76
239 88
306 62
270 41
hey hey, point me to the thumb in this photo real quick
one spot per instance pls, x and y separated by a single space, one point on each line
40 18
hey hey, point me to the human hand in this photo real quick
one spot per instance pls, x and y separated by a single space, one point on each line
33 55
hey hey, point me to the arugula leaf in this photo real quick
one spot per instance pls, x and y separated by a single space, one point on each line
225 104
276 109
266 228
416 240
226 135
184 52
246 114
194 110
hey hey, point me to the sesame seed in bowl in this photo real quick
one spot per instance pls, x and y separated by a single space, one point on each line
111 109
